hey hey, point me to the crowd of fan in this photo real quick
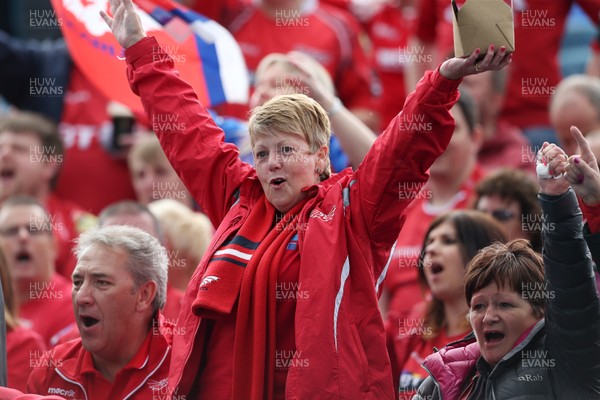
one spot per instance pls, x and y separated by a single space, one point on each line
105 305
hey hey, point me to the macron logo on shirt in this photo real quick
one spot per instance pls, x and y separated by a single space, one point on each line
62 392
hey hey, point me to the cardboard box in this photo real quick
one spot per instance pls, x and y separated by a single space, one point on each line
480 23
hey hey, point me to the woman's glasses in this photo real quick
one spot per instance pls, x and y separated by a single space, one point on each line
502 215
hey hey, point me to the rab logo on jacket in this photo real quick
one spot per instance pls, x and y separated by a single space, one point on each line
207 280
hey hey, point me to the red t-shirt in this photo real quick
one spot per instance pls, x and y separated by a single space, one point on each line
215 381
90 176
539 24
402 277
389 31
592 216
222 11
69 370
49 310
343 4
328 34
434 25
24 347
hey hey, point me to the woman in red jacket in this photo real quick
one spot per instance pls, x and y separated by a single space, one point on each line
284 302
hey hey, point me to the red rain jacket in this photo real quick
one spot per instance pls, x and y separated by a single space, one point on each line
351 220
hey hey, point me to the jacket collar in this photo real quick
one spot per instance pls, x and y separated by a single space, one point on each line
139 360
451 365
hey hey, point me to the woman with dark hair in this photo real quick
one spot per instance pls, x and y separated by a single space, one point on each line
451 241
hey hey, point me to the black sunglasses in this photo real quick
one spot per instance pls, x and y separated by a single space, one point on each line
502 215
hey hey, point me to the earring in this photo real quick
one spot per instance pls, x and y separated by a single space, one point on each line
319 171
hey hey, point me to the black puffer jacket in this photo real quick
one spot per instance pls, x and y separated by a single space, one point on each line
560 358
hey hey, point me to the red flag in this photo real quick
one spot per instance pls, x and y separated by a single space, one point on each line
100 57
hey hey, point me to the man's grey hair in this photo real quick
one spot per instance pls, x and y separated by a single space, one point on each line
148 260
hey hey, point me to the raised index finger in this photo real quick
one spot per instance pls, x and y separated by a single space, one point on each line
584 147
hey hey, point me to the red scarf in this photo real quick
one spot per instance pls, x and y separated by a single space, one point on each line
245 269
222 280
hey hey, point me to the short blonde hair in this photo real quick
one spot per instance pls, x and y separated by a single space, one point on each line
187 231
296 114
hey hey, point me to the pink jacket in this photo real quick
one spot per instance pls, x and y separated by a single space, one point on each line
352 221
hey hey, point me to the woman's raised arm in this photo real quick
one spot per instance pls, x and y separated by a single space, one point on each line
210 168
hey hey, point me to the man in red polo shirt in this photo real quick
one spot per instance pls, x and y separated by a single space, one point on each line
137 215
119 286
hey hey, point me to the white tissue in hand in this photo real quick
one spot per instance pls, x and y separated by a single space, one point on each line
543 171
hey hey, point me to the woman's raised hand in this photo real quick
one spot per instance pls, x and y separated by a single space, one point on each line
125 23
578 171
582 171
457 68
